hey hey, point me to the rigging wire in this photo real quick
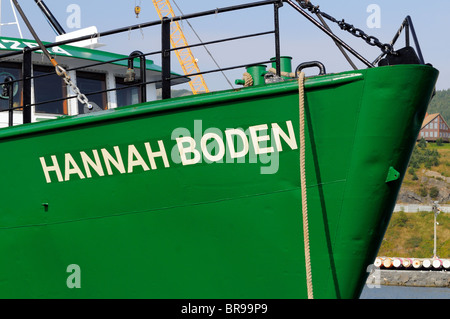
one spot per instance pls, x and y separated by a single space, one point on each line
209 52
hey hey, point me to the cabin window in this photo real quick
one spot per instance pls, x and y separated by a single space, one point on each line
15 71
130 95
48 86
89 82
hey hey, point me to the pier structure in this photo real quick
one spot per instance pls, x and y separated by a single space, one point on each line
415 272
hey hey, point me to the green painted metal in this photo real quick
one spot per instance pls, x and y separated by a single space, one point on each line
285 63
227 228
393 175
257 73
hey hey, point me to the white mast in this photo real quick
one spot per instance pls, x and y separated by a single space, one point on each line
15 18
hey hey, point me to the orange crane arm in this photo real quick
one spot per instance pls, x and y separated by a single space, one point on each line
177 39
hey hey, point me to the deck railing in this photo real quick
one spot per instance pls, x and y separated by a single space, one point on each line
165 53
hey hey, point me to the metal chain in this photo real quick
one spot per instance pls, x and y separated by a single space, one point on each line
80 96
371 40
59 69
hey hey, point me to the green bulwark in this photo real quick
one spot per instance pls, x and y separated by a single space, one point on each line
126 203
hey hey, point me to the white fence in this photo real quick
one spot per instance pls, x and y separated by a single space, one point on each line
419 208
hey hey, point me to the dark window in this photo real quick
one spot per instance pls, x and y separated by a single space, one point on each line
49 88
89 82
128 96
13 70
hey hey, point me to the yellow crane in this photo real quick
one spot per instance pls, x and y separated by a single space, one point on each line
177 39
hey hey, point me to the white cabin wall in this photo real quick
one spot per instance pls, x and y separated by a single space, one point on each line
4 118
72 104
151 92
111 95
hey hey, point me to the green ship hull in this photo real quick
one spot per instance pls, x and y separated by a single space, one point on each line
122 204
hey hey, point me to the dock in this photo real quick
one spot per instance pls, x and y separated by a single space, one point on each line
413 272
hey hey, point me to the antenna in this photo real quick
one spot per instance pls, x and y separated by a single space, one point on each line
11 23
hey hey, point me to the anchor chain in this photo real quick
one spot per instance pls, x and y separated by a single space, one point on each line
371 40
80 96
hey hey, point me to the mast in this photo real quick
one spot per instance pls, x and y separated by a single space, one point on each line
50 17
10 23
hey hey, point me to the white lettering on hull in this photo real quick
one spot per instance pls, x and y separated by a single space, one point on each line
213 147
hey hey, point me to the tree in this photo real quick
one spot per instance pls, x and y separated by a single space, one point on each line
423 191
422 143
434 192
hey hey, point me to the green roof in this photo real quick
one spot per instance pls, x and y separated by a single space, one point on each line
94 55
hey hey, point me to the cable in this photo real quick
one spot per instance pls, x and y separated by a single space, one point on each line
198 37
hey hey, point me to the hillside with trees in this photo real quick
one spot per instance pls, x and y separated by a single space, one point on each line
441 104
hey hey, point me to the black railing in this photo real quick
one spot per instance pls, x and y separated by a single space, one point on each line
165 52
9 92
143 72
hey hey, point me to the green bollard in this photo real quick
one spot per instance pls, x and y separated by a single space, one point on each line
285 65
257 72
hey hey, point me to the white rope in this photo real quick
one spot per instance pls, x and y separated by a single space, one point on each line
248 79
301 91
286 74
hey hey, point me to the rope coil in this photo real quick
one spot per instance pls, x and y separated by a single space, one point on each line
286 74
60 71
248 79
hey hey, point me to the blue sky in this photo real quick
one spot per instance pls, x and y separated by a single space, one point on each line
300 39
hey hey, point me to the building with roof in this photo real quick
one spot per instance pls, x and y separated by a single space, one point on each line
434 127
